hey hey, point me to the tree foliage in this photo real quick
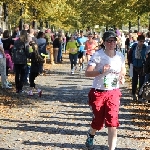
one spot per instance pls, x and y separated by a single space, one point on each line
79 13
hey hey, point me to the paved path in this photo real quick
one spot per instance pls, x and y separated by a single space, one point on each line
60 119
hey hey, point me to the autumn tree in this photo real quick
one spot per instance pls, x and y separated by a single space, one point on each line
80 13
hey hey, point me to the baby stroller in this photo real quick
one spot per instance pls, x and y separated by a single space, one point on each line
145 89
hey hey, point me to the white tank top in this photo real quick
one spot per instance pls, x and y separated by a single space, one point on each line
110 79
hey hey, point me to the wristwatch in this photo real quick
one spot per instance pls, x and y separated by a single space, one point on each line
100 71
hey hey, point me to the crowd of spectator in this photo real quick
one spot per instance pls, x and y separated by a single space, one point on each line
80 46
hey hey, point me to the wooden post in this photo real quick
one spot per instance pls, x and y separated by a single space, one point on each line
51 55
50 48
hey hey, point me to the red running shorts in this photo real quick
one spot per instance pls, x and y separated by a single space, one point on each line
105 107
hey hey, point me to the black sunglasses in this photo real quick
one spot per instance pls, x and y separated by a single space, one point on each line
111 41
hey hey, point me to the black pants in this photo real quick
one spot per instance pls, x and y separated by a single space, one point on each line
32 77
19 75
7 68
73 59
137 77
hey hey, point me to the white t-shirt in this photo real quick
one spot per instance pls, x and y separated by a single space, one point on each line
110 79
123 40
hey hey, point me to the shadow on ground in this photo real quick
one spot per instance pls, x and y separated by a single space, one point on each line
68 145
73 95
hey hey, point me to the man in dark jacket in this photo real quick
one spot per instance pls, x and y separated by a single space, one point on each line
137 56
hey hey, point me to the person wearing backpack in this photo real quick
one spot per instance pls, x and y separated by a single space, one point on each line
36 61
20 53
41 41
137 56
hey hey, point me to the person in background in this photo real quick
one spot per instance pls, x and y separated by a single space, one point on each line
49 41
3 67
128 42
31 37
64 42
72 47
36 61
41 42
134 40
137 57
147 68
59 56
76 35
36 31
147 39
107 66
118 43
90 46
26 27
67 35
88 31
96 38
15 34
20 53
7 45
147 65
48 36
57 43
82 53
117 31
52 36
147 43
123 39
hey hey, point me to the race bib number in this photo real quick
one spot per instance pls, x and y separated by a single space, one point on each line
110 82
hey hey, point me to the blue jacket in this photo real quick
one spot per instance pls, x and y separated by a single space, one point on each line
41 45
138 62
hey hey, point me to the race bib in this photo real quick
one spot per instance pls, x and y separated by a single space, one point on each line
110 82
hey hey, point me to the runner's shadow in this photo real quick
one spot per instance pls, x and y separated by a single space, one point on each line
5 149
71 146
